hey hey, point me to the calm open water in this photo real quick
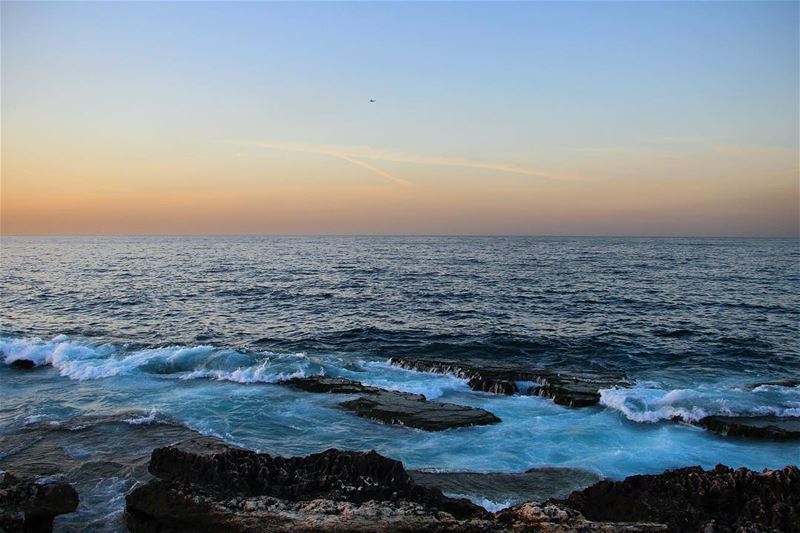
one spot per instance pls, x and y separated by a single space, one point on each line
197 329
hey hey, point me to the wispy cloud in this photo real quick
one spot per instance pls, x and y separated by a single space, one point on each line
357 155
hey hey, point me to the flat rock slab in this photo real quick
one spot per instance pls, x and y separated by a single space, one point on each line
756 427
571 389
394 407
537 484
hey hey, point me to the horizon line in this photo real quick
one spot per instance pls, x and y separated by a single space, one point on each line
482 235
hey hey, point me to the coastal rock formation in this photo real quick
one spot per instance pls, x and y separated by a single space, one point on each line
756 427
578 389
692 499
26 505
206 485
551 518
393 407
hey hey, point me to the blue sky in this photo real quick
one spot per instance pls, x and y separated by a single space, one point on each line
560 89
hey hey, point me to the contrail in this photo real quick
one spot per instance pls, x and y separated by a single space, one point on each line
323 150
363 164
356 155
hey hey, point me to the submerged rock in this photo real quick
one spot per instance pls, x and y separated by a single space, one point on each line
756 427
692 499
537 484
22 364
393 407
26 505
101 457
781 383
572 389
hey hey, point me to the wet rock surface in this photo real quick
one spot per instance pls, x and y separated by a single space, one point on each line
572 389
101 457
693 499
755 427
779 383
393 407
537 484
206 485
22 364
30 506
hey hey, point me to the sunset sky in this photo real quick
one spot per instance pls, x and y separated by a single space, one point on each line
537 118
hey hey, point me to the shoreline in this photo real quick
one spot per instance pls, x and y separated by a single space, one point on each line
48 452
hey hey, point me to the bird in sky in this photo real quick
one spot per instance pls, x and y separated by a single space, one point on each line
371 101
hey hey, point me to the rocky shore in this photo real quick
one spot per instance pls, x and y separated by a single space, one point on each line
693 499
204 484
29 505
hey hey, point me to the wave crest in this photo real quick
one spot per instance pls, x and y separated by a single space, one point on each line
647 403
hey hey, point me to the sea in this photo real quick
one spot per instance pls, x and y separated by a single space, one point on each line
196 331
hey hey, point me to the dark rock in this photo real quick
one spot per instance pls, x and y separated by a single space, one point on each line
397 408
692 499
26 505
755 427
779 383
205 485
551 518
22 364
537 484
572 389
329 384
394 407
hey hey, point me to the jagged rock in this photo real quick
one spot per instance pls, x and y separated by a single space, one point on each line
28 506
207 485
692 499
756 427
393 407
22 364
550 518
579 389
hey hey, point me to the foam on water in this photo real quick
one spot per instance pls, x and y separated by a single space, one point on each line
82 361
489 505
649 403
203 387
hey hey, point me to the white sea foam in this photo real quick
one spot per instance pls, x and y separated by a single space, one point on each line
81 361
489 505
261 373
387 376
145 420
647 403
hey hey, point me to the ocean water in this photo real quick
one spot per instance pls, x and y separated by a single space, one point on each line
198 330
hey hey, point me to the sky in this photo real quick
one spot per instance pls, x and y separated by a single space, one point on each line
561 118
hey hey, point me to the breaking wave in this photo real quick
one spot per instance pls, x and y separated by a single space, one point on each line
81 361
649 403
